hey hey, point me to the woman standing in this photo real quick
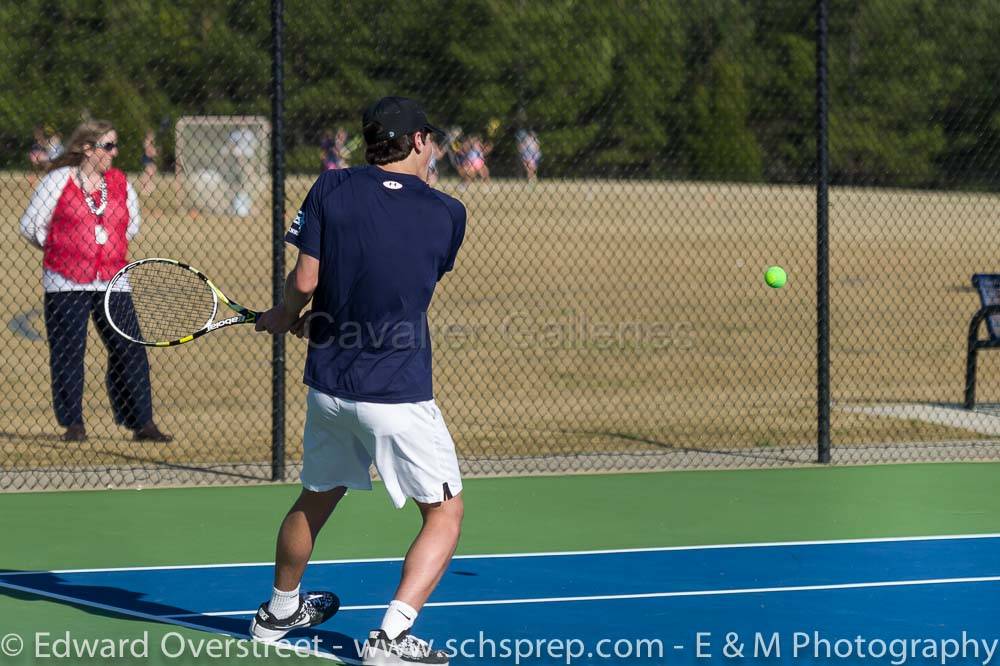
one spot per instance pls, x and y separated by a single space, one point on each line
82 215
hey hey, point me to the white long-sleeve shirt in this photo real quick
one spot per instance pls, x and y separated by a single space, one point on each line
36 219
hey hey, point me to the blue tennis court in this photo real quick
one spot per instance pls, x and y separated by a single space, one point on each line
811 601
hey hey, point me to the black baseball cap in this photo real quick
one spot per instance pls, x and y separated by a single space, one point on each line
393 117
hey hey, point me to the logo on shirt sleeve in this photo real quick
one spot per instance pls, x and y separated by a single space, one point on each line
297 224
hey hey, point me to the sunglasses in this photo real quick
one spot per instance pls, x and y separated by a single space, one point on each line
109 146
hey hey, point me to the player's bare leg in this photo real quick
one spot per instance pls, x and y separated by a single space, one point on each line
431 551
423 567
297 535
289 609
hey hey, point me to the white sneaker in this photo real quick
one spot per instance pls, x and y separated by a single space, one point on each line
403 650
314 608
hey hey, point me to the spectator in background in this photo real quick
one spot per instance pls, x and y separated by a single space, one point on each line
452 147
38 157
473 159
53 145
38 154
436 153
327 156
149 154
335 152
243 145
82 215
342 149
530 151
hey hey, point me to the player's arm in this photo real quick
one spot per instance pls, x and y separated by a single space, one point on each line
458 220
299 287
300 284
305 235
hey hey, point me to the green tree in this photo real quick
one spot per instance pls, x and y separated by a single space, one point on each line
722 145
887 79
970 110
641 133
719 141
782 81
718 89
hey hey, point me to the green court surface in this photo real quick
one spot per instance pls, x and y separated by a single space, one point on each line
162 527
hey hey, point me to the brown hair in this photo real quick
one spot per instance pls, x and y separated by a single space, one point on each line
389 151
85 136
393 150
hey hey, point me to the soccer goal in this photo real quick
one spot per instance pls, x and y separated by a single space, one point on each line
222 162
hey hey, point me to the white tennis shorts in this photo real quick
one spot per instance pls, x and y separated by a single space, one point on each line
408 442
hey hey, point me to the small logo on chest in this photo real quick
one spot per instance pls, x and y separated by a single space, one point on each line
392 184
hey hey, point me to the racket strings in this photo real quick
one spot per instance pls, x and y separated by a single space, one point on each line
167 303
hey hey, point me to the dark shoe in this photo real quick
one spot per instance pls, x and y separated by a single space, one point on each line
150 433
75 433
314 608
404 649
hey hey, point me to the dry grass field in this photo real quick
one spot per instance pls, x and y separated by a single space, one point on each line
582 316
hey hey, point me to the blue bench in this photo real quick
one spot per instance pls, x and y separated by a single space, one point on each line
988 287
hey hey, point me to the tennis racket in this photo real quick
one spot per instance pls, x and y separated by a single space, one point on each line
171 303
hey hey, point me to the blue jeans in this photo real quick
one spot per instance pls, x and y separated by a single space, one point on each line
127 378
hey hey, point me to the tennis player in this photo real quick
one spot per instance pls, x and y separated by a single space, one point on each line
373 242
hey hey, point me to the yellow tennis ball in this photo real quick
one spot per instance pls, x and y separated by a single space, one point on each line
775 277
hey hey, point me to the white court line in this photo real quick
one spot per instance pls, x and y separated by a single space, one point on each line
766 544
166 619
655 595
178 620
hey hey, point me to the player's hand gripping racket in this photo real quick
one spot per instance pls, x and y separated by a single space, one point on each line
172 303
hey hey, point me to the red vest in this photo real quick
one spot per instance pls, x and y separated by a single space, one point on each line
71 246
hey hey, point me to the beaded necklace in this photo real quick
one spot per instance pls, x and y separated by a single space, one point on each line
95 209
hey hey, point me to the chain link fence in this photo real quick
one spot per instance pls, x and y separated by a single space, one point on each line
629 168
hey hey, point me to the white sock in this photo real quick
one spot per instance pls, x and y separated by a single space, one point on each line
283 604
399 617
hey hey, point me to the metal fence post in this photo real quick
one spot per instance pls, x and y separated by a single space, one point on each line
822 241
278 229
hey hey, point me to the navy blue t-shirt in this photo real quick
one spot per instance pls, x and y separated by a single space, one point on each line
383 241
